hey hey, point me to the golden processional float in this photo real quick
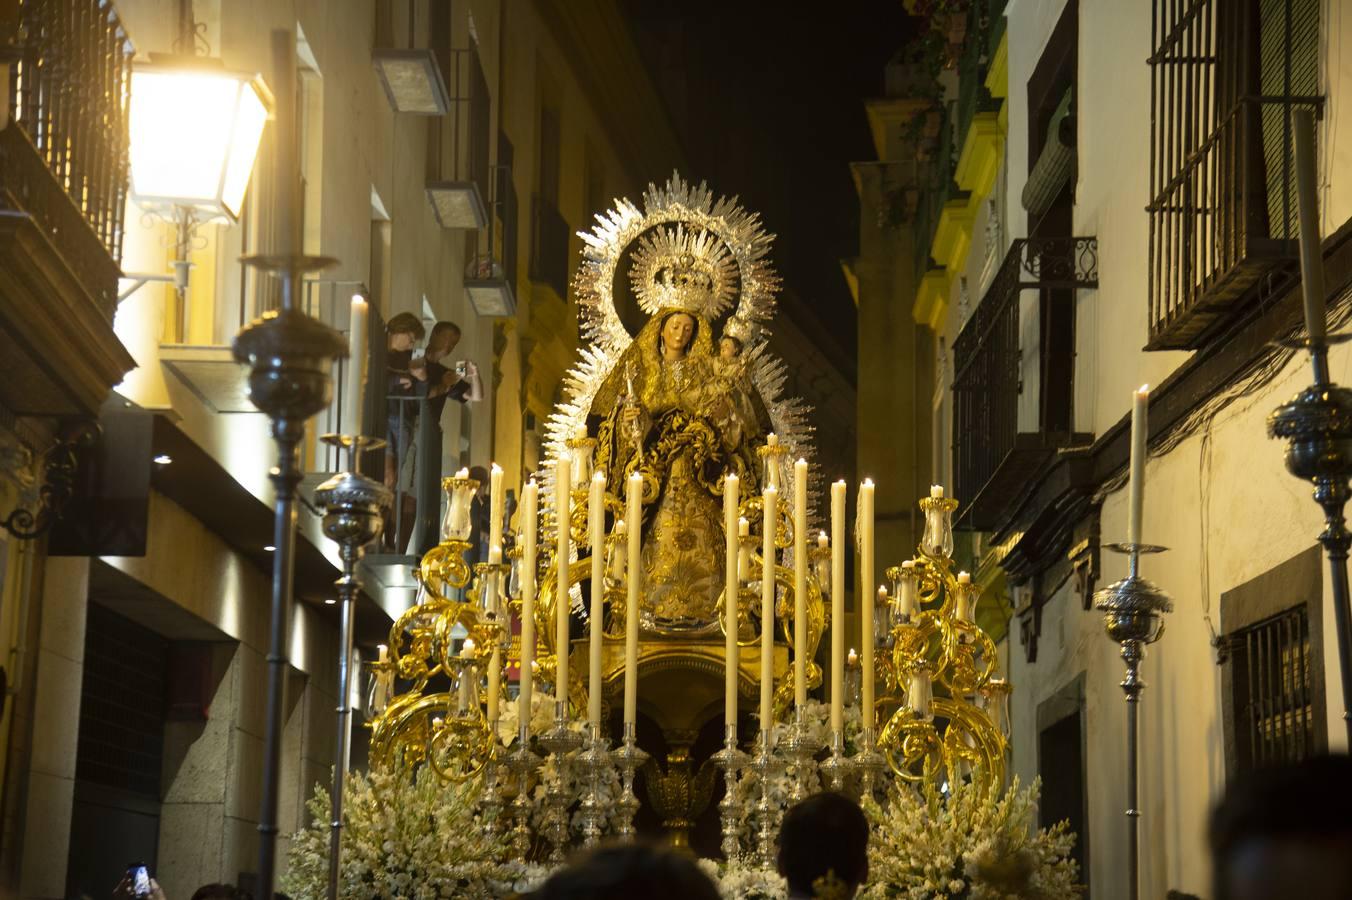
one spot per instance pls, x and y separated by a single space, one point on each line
677 476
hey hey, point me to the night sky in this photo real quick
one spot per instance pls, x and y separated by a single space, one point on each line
769 106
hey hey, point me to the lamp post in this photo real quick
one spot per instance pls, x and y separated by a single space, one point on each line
195 127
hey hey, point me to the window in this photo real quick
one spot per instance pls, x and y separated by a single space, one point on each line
1273 698
1272 667
1225 76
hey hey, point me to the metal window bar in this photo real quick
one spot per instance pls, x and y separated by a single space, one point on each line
987 355
66 163
1276 707
1224 78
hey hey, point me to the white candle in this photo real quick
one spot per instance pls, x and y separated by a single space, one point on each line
384 652
1140 431
743 550
1307 204
800 584
770 506
772 461
906 604
494 687
937 491
563 490
466 653
356 366
634 533
596 520
495 511
529 522
838 607
866 606
731 498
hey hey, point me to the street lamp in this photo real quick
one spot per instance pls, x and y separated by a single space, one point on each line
195 128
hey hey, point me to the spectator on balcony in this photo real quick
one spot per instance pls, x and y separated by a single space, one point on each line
456 383
402 334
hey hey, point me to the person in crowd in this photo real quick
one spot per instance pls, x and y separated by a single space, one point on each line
823 848
637 871
1285 831
403 332
443 383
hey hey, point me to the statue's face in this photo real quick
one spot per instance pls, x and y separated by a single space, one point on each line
677 331
728 348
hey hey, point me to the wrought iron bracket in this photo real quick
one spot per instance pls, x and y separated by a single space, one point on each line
61 464
1084 562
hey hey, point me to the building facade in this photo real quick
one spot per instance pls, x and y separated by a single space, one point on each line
1090 196
449 151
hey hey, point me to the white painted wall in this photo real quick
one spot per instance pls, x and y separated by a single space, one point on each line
1222 500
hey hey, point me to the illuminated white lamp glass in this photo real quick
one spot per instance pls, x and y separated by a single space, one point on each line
195 128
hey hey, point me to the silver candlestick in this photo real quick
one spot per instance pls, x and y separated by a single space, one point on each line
765 763
595 761
560 741
629 759
799 748
352 518
490 801
838 767
1133 611
522 762
730 760
868 762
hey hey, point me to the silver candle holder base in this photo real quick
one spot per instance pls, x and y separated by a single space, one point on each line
798 750
868 762
838 767
522 763
628 758
765 763
730 760
490 800
559 742
595 762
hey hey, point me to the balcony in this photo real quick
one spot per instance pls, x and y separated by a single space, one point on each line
1224 80
993 459
63 188
549 247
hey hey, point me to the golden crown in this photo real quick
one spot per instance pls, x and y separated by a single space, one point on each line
674 268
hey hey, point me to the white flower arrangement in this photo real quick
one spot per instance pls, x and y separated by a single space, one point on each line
407 836
969 845
744 878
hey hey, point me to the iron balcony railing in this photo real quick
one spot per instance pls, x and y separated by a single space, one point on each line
987 355
65 164
1225 77
549 246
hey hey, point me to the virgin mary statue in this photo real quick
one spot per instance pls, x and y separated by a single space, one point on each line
664 402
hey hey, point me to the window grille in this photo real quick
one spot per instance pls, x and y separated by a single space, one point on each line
1224 78
1273 699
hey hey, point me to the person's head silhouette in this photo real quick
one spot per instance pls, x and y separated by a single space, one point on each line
627 871
1285 831
823 847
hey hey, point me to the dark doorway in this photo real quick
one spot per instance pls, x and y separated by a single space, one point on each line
116 814
1060 761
